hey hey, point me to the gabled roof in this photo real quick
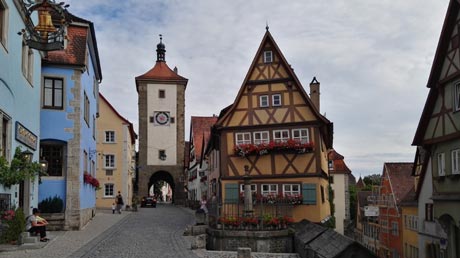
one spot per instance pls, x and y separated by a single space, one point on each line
401 181
410 199
79 41
268 38
130 125
360 184
441 51
200 132
338 163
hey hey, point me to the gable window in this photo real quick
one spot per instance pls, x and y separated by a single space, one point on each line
3 22
53 153
110 136
269 189
276 99
455 162
161 94
300 135
291 189
108 190
457 97
261 137
268 56
441 164
27 62
243 138
281 135
263 101
86 109
53 93
109 161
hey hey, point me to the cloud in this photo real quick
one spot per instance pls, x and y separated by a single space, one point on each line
372 58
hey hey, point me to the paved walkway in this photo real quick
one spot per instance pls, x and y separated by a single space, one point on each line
64 243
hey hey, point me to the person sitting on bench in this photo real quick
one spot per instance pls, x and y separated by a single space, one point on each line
37 225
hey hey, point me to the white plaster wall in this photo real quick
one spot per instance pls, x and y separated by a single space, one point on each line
339 187
162 137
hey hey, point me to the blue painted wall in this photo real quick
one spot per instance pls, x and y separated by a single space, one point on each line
19 98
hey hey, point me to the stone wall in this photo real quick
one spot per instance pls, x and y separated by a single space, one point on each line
279 241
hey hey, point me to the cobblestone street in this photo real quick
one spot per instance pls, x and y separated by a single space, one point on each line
151 232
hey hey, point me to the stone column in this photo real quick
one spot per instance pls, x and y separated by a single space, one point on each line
248 209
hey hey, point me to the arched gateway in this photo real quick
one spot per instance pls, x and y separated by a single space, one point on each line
161 93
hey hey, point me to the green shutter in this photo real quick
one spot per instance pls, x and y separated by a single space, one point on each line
309 193
231 193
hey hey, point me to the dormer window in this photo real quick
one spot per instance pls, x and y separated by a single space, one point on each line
268 56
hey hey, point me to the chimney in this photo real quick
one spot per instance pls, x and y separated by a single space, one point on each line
314 92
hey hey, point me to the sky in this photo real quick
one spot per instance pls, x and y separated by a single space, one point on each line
372 58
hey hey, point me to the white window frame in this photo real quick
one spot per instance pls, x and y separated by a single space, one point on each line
303 135
441 164
243 139
283 137
272 189
253 188
4 23
268 56
276 100
455 156
264 101
261 137
106 188
109 136
290 191
457 97
86 107
109 161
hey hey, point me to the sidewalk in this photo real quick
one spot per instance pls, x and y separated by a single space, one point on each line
64 243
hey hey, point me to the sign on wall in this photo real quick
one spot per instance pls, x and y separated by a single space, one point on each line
371 211
25 136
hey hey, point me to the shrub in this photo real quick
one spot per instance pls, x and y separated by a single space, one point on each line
51 205
16 225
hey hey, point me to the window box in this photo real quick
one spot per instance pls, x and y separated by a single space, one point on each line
290 145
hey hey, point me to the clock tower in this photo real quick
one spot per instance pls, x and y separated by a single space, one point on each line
161 95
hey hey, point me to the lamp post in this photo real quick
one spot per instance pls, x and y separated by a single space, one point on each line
44 165
248 209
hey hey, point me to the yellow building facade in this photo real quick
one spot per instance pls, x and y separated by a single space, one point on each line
410 231
116 156
275 134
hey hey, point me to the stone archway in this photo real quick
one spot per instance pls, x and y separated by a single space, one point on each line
163 176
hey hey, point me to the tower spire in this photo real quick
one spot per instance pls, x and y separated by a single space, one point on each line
161 50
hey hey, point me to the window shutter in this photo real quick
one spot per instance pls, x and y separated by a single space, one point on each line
231 193
309 193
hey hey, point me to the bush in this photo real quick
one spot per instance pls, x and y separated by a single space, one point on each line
16 225
51 205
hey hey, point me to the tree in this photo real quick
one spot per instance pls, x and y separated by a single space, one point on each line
371 180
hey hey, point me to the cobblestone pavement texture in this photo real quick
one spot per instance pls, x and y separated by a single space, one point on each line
151 232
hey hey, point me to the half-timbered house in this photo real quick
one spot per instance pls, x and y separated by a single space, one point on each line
274 134
438 152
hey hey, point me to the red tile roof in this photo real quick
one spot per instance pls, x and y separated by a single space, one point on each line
161 72
400 178
360 184
338 163
75 52
201 131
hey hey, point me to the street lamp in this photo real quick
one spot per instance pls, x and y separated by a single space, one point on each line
44 165
27 155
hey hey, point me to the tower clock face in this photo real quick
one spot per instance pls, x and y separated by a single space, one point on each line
161 118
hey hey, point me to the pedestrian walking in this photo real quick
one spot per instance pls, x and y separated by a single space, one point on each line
203 203
113 208
119 202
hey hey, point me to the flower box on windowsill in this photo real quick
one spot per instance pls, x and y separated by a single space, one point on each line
289 146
